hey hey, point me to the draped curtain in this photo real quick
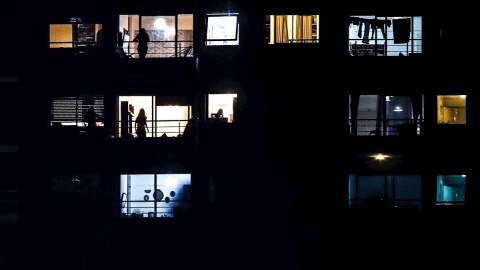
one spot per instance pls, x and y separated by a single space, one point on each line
303 28
281 29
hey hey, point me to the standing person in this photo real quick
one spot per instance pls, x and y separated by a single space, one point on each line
91 119
142 38
141 127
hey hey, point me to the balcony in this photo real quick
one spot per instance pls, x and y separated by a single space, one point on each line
386 127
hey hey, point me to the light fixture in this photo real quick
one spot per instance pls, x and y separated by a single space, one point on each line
380 156
398 109
160 23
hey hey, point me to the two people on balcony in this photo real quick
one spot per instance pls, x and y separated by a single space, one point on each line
141 127
142 38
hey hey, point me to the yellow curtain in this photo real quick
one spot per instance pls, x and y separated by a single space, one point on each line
281 31
303 28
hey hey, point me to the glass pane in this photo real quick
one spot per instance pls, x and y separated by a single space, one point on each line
87 34
399 111
452 109
221 106
162 31
450 189
401 35
222 29
371 187
369 111
129 26
292 28
61 35
352 187
135 103
136 194
185 35
408 187
176 193
185 27
171 120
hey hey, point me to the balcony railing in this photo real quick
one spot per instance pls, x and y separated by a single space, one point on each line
156 129
386 127
161 49
156 49
385 204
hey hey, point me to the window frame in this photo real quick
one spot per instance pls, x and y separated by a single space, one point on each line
225 41
213 108
152 104
270 29
75 43
127 48
384 125
62 105
455 184
156 195
441 114
380 46
389 190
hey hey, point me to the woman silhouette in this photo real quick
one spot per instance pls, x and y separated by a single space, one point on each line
141 127
142 38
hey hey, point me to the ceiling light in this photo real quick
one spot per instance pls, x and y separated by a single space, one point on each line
380 156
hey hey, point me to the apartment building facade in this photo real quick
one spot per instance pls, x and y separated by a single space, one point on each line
268 128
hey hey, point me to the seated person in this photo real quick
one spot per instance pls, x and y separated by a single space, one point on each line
219 113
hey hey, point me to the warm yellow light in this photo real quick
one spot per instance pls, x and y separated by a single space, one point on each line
380 156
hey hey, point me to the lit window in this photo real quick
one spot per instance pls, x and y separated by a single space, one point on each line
221 107
452 109
385 191
222 29
170 36
451 189
385 36
84 37
167 116
292 29
72 111
61 36
386 115
154 195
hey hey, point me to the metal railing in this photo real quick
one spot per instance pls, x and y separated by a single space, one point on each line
162 49
156 128
385 127
385 204
156 49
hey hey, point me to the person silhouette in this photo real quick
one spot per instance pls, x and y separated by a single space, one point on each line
91 119
219 113
141 127
142 38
